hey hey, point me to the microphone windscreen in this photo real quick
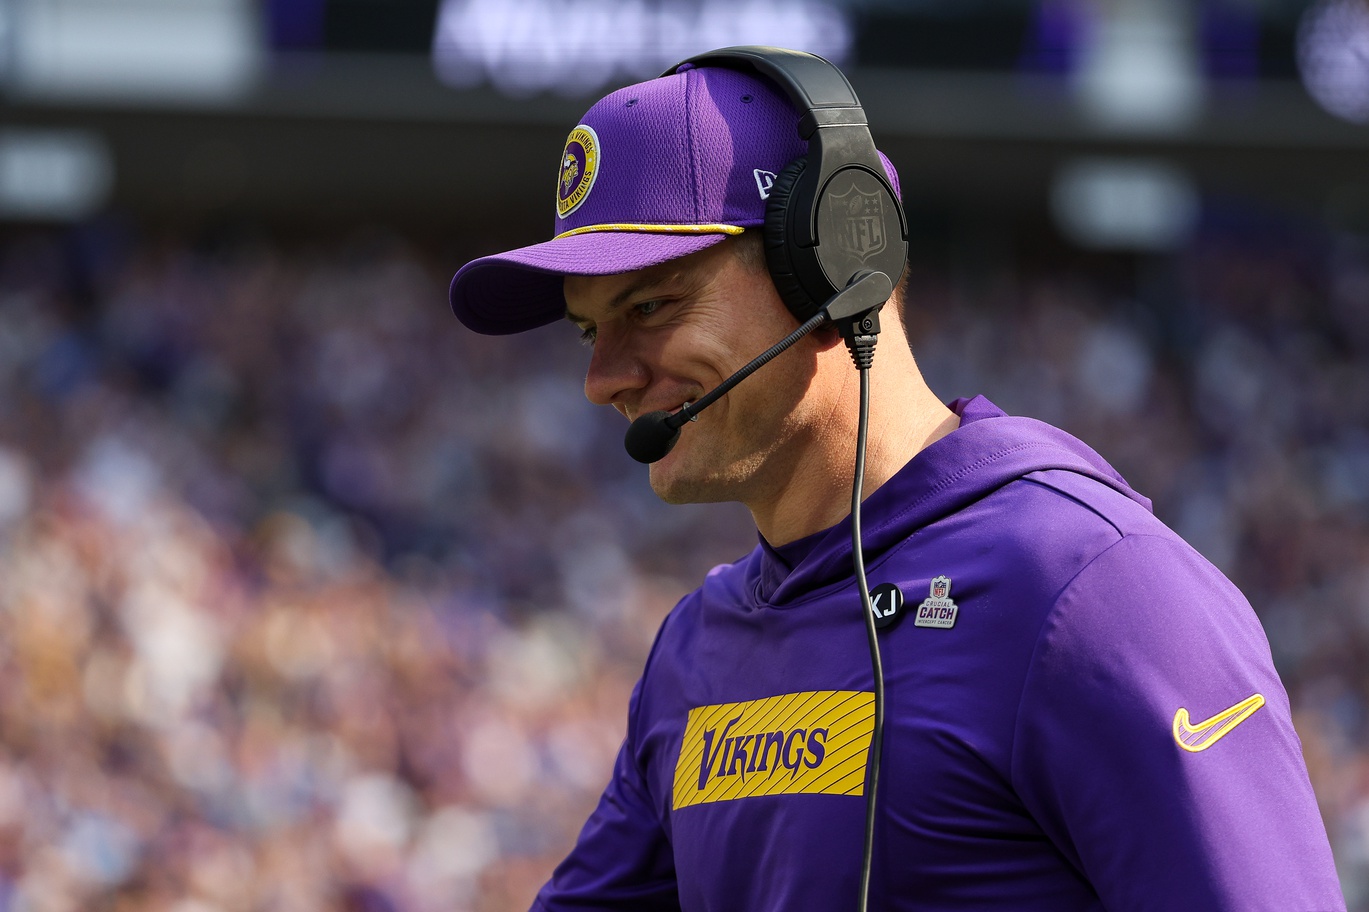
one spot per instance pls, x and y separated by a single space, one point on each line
650 437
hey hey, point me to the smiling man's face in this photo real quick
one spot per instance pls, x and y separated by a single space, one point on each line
668 334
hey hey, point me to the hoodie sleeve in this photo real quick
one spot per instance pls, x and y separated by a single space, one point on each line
1155 746
622 859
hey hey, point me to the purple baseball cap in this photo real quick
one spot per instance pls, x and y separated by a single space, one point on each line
653 171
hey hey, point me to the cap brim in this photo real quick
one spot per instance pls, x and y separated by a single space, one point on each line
521 289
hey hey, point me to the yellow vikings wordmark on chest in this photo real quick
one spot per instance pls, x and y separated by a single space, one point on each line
810 743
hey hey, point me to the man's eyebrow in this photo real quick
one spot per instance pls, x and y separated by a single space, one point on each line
645 283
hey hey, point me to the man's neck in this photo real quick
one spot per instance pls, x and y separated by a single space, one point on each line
812 490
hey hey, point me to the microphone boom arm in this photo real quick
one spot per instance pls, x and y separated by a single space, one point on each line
866 291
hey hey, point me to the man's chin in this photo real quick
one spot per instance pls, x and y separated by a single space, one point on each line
675 484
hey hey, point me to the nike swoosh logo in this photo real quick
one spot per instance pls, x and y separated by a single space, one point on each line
1209 731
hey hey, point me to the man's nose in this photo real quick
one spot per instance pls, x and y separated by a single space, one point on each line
615 371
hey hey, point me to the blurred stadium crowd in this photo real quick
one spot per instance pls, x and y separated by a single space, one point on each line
310 600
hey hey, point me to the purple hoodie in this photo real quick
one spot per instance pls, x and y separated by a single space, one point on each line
1081 714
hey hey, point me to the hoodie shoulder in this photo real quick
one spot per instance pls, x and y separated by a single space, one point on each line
1123 513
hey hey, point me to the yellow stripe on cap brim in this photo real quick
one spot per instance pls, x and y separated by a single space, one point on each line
653 229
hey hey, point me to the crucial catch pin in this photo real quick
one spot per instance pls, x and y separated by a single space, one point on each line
938 609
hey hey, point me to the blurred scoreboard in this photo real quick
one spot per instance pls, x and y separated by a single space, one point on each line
269 107
575 47
1233 39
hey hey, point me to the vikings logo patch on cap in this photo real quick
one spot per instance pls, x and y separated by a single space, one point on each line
579 168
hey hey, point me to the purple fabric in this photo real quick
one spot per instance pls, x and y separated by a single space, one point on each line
1029 758
675 152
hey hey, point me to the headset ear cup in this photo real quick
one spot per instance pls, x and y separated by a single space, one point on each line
779 256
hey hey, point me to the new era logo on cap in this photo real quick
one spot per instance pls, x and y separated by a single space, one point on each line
764 181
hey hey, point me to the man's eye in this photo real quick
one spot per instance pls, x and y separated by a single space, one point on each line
647 308
587 335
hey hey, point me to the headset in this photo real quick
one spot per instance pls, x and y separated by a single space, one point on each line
836 243
833 212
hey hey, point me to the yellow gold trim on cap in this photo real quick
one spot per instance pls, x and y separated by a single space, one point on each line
653 229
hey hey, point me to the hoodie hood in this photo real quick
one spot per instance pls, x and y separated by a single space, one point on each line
988 450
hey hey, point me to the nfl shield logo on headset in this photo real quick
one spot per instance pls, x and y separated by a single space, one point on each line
861 232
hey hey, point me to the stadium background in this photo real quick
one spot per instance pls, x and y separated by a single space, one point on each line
310 600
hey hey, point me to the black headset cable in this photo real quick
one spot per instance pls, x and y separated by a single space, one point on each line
860 335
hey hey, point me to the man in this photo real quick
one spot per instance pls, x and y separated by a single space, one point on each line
1082 713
